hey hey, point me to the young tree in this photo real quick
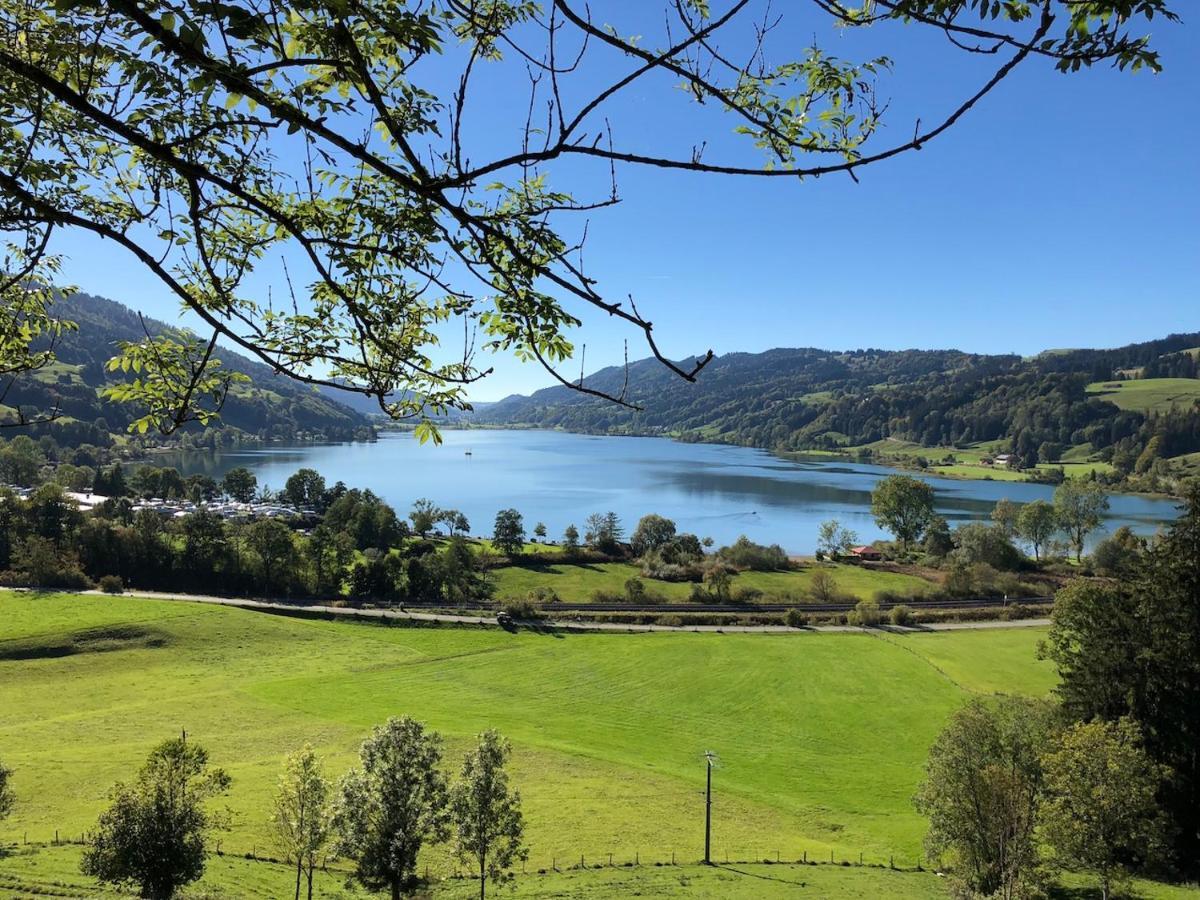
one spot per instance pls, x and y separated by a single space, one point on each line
718 580
423 516
454 521
508 535
240 484
7 798
904 506
301 820
154 835
392 804
488 825
833 540
539 531
652 532
571 541
822 587
1079 507
603 531
1004 515
1036 524
981 789
1101 812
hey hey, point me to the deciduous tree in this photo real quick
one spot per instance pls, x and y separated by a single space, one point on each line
1036 524
1079 507
392 804
154 835
1101 812
508 535
302 817
489 829
981 790
904 506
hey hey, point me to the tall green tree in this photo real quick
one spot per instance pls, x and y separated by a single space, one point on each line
652 532
240 484
424 516
1005 514
904 506
305 487
489 829
154 835
508 533
1101 812
1079 507
302 817
393 804
1133 650
1036 524
980 793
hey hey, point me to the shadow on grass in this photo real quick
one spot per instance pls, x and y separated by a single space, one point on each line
758 875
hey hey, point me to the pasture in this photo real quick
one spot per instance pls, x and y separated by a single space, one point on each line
577 582
1148 394
821 737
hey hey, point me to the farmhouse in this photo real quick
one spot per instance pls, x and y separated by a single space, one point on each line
867 554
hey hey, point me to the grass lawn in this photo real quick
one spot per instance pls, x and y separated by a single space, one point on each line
821 737
575 583
1148 394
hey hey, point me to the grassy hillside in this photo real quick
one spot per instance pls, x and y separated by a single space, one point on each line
1148 394
821 739
576 583
821 736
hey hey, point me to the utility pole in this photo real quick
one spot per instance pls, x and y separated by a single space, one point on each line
709 757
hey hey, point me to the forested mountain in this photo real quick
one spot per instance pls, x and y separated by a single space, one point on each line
269 406
807 398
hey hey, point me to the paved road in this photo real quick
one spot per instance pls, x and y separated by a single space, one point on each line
551 625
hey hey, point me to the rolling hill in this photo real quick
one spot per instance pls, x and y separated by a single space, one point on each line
269 406
1039 408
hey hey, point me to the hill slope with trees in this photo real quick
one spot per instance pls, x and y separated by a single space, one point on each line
267 406
1038 408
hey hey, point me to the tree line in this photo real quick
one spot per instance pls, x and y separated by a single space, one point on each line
1106 778
155 836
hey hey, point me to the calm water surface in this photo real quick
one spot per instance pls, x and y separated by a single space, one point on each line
557 478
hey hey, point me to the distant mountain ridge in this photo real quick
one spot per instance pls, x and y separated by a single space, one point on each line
808 398
269 406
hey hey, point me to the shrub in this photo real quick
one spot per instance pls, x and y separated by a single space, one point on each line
866 614
635 590
698 594
112 584
901 615
543 594
747 595
672 621
793 618
745 554
520 609
822 587
603 596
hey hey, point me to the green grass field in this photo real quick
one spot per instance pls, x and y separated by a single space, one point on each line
1148 394
576 583
821 737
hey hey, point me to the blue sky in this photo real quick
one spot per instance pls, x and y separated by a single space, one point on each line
1063 211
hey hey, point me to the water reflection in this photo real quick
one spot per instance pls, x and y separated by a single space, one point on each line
559 479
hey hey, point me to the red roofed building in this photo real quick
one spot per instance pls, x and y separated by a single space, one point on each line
869 554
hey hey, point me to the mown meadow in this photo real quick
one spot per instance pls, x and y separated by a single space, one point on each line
821 737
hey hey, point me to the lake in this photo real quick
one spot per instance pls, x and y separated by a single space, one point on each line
559 479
